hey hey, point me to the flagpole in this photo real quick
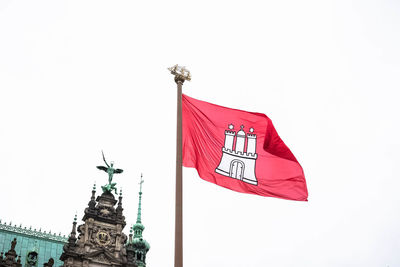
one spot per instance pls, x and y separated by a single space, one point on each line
181 74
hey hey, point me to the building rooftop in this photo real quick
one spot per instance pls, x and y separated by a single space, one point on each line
47 244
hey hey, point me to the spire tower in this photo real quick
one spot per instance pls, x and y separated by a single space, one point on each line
138 247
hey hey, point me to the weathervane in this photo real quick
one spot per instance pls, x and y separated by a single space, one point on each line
141 181
111 171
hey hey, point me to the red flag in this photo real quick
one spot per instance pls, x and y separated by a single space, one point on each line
239 150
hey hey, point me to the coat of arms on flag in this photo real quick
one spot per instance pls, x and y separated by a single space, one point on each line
238 163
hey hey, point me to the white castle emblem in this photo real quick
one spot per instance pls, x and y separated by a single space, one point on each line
237 163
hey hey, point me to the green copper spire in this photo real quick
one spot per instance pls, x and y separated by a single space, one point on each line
138 227
138 244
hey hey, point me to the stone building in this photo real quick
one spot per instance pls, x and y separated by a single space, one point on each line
98 241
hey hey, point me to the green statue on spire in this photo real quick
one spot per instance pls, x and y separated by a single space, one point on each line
111 171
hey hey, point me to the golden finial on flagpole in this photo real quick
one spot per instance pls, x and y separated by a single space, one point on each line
181 73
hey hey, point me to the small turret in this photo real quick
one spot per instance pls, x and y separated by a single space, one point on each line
130 235
72 237
92 202
119 208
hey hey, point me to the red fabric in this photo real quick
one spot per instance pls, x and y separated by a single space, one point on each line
276 172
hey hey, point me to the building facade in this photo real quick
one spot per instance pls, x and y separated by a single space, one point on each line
98 242
30 242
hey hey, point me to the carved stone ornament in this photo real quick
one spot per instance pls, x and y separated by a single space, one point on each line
105 212
32 258
103 238
101 258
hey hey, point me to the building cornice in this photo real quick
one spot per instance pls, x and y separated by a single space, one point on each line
33 233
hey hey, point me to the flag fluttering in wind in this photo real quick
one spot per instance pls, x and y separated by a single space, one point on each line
239 150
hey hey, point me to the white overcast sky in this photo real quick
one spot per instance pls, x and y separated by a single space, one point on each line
80 76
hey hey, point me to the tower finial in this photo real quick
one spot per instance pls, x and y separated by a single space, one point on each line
141 182
139 214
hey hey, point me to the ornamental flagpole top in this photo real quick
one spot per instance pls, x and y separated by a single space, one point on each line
181 73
